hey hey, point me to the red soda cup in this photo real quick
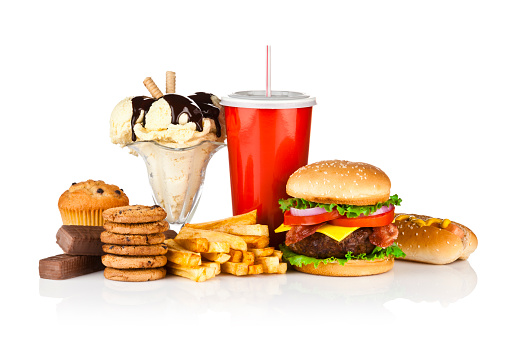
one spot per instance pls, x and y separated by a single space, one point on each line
268 140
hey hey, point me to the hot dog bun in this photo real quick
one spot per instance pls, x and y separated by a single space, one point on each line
432 244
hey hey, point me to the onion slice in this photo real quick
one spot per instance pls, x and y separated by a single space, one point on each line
320 210
381 210
307 212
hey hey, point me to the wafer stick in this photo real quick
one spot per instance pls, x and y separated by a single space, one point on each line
170 82
152 88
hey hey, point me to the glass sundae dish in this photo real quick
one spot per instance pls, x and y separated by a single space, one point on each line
176 176
176 136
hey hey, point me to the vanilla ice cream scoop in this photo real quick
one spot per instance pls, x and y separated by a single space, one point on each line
169 109
120 122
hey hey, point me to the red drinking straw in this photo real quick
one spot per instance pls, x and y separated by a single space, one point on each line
268 92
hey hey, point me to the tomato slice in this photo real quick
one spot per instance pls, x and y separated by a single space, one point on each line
369 221
311 219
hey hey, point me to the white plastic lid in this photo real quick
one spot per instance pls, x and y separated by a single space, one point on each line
279 99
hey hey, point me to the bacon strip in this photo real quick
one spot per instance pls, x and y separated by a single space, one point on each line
384 236
297 233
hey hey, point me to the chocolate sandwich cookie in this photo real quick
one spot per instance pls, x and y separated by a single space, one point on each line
122 262
134 214
65 266
80 240
134 274
158 249
170 234
139 228
132 239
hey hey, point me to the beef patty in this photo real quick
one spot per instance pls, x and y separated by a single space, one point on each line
320 246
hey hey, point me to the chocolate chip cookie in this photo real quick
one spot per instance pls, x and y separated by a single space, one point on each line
132 239
122 262
139 228
134 274
134 214
158 249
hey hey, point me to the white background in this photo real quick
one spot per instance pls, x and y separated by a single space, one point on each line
418 88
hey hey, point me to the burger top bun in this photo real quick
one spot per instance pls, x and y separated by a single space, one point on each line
340 182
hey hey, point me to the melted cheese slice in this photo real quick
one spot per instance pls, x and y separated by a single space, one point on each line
337 233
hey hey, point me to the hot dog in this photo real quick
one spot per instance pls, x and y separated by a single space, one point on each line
432 240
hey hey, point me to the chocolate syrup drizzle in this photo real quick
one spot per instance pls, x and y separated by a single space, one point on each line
196 107
204 101
183 105
141 103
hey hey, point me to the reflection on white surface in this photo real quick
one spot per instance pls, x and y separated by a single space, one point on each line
239 298
431 283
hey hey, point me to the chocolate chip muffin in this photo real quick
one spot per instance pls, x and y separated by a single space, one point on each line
84 202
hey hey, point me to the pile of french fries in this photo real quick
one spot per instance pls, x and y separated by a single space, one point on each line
236 245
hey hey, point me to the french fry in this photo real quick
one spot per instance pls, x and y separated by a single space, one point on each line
262 252
255 269
218 247
198 273
270 264
241 219
235 268
282 267
179 255
215 265
235 256
278 254
210 272
238 229
194 244
248 257
202 245
256 241
235 242
216 257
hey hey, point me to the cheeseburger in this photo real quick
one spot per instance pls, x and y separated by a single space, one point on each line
339 221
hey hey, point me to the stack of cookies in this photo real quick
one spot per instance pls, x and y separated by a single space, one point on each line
134 242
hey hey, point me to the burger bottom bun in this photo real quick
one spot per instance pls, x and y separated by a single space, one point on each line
352 268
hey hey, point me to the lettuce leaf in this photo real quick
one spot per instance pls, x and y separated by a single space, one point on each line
351 211
378 253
